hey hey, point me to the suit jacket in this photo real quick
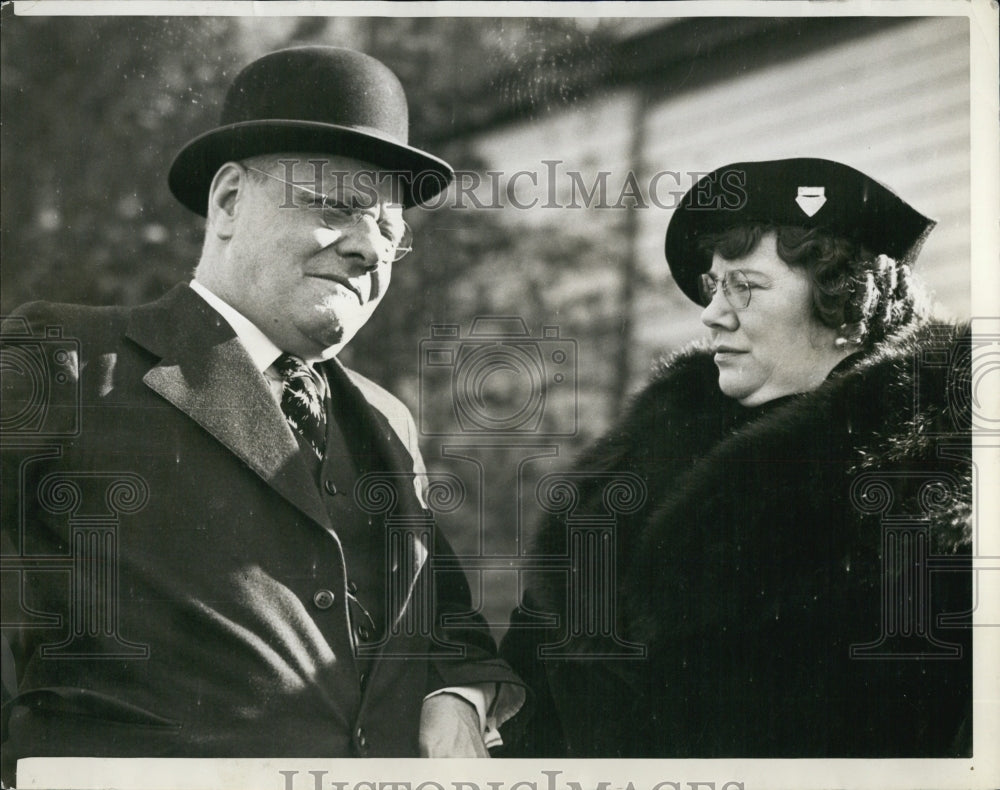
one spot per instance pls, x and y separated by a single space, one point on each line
174 576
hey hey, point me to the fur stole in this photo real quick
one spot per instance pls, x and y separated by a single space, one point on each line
755 564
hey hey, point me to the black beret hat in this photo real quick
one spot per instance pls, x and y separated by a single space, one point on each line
808 193
317 100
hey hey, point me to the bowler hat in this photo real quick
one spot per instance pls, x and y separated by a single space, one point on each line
322 100
808 193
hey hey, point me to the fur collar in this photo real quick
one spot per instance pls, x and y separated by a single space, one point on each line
744 482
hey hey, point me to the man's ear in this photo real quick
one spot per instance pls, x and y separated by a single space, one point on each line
224 199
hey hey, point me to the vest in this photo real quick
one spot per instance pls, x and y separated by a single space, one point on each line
349 455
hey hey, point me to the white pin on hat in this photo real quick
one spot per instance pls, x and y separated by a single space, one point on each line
811 199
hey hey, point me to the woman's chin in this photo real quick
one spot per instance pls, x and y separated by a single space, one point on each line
733 386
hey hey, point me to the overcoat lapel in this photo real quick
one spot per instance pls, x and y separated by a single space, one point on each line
206 373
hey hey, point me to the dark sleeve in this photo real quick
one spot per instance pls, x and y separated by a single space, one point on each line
463 651
536 730
584 705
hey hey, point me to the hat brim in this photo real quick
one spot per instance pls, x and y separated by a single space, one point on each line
423 176
686 261
857 208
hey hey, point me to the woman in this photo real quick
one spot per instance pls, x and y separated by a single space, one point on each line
803 468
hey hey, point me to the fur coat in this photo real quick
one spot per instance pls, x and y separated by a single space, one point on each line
787 576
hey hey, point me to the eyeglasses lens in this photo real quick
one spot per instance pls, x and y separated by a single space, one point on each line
397 234
737 289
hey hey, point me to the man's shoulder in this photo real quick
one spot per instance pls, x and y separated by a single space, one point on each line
378 396
155 325
395 413
35 317
84 330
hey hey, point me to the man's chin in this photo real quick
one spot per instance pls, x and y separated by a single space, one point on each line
331 333
338 327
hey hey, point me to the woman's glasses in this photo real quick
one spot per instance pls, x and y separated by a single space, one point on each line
735 287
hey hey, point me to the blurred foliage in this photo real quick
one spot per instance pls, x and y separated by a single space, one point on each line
92 109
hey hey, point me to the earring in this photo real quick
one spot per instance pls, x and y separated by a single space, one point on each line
850 334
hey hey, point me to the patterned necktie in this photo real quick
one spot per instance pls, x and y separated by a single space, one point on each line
301 403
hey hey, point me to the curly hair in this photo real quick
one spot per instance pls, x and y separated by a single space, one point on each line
867 297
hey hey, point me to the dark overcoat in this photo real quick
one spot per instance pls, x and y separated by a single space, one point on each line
794 583
176 581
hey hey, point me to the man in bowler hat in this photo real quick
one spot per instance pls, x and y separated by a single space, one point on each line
227 552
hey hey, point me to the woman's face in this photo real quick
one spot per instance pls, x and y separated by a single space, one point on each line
774 346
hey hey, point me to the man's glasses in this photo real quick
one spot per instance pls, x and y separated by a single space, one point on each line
337 215
735 287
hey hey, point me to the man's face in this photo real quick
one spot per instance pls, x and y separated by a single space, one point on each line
304 281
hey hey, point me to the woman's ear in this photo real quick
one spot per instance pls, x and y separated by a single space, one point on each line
224 198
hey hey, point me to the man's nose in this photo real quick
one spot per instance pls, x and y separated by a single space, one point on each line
719 313
363 242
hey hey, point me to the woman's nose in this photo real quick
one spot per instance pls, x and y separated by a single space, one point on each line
719 313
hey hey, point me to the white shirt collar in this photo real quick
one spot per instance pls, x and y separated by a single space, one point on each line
259 346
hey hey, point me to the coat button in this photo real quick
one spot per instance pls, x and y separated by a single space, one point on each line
352 588
364 633
330 487
323 599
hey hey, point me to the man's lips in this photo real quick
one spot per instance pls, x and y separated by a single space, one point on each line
336 278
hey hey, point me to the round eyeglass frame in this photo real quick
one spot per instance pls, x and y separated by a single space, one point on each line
735 287
337 216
